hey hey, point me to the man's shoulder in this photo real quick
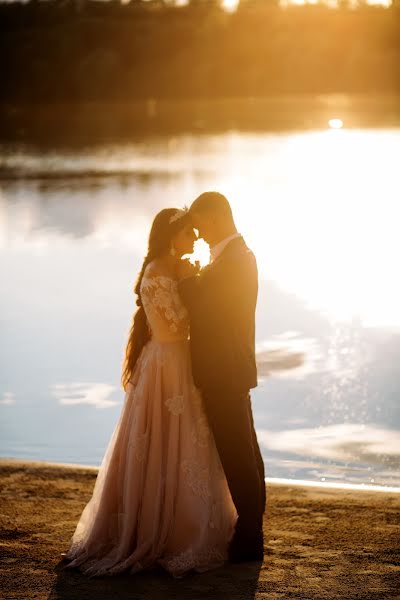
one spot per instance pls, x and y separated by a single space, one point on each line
237 249
236 261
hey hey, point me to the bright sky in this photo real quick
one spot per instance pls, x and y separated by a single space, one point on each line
230 5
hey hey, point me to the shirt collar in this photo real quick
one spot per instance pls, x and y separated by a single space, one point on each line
216 250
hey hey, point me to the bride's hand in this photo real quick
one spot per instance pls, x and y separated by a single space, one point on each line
185 268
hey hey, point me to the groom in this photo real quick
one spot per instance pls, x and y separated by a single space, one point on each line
221 302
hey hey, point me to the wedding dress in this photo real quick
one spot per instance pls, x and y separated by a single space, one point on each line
161 495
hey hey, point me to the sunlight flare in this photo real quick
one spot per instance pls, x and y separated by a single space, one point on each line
335 123
316 233
230 5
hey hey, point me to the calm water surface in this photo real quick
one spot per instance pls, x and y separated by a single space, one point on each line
320 209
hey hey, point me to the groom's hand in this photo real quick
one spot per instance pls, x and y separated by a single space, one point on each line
187 269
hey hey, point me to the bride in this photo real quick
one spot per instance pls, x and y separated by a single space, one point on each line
161 495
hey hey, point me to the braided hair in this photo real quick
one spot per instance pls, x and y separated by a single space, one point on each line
167 223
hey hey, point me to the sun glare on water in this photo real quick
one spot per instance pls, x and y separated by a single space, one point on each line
321 213
335 123
230 5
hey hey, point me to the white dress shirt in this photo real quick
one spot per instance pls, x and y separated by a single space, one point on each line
216 250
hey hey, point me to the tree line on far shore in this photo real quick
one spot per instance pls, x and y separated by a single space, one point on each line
63 51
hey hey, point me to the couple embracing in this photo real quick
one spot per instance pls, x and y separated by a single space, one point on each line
181 484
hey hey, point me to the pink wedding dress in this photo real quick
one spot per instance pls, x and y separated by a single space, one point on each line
161 495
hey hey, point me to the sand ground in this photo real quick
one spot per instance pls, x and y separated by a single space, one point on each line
319 543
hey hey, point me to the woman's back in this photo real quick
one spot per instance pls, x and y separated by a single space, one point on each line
167 317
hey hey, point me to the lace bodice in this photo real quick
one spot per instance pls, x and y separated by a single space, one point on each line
167 316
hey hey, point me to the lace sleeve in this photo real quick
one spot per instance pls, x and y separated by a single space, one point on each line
164 310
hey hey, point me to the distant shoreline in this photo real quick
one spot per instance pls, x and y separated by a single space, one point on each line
279 481
84 123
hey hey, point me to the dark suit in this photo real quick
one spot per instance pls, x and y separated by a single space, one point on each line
221 301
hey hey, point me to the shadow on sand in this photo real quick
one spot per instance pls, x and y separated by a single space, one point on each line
230 581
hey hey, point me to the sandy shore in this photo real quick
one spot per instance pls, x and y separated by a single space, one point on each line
320 543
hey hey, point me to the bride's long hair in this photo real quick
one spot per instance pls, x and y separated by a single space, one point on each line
161 235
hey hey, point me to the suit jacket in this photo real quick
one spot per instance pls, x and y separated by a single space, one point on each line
221 301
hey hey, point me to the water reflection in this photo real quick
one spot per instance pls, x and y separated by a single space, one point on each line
323 225
287 355
314 199
94 394
7 398
354 443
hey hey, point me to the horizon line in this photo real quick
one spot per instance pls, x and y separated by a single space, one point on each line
273 480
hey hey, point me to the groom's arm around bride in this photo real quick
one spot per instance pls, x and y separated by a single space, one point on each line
221 302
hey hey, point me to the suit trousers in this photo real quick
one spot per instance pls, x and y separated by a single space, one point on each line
231 421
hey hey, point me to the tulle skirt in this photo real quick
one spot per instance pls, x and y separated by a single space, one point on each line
161 495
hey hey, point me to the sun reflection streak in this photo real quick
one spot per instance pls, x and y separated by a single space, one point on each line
314 210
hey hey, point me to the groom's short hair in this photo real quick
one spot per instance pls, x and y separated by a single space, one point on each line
212 203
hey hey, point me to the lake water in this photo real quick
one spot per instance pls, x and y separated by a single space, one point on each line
321 211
